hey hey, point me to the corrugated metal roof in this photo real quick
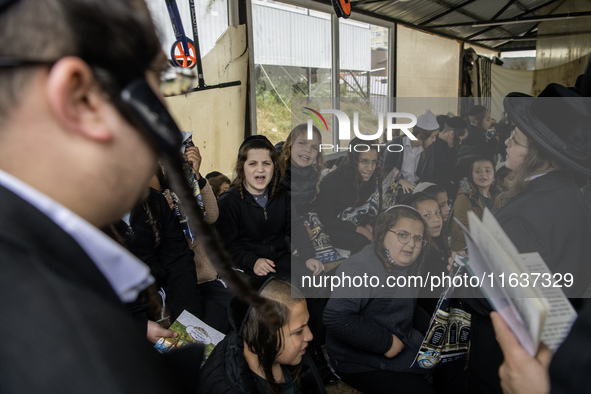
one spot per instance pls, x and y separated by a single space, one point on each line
443 17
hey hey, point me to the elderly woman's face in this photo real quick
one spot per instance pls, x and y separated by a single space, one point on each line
516 149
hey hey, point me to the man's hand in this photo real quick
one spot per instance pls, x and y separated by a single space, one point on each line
155 332
263 267
194 157
315 266
520 372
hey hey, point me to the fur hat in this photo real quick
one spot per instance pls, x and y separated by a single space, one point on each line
558 121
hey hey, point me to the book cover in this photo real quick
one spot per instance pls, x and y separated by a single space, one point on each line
191 330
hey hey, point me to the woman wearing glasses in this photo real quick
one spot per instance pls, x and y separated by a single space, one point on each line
349 197
546 212
374 332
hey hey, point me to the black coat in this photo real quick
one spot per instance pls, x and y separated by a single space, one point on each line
226 371
250 232
477 139
552 218
439 166
338 192
171 261
70 332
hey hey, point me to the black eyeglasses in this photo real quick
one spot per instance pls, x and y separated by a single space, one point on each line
139 101
404 238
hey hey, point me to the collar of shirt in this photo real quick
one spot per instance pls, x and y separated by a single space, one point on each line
415 150
531 178
126 274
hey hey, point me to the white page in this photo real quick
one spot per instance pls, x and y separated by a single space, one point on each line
526 301
561 314
502 302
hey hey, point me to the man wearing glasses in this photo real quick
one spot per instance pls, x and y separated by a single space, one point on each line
80 133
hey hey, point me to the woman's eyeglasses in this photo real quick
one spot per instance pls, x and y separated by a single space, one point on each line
404 238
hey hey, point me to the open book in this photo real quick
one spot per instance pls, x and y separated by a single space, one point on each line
191 330
518 286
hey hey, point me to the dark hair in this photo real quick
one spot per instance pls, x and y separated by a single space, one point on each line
285 158
440 242
388 219
350 166
71 28
434 190
217 181
275 183
477 113
266 341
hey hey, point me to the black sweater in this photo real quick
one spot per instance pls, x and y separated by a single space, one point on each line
171 260
250 232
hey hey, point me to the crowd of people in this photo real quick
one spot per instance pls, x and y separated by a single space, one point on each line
93 183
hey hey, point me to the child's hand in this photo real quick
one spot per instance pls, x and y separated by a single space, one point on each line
194 157
263 267
407 187
315 266
397 347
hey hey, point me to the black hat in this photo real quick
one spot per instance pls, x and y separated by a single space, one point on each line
558 121
457 123
213 174
257 137
442 120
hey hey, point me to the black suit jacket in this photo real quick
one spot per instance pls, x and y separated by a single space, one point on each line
65 330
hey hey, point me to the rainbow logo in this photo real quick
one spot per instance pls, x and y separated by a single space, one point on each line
317 118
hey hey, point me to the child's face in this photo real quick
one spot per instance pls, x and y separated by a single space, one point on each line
487 122
444 207
225 186
509 181
429 210
258 170
404 254
483 174
304 151
429 141
296 335
367 164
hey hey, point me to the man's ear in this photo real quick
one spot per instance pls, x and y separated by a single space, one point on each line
76 99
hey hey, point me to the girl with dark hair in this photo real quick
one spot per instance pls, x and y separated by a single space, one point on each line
447 377
258 358
476 193
374 332
254 219
350 197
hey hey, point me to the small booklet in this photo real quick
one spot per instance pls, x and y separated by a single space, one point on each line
191 330
518 286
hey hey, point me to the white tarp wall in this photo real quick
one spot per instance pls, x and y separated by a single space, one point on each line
427 66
